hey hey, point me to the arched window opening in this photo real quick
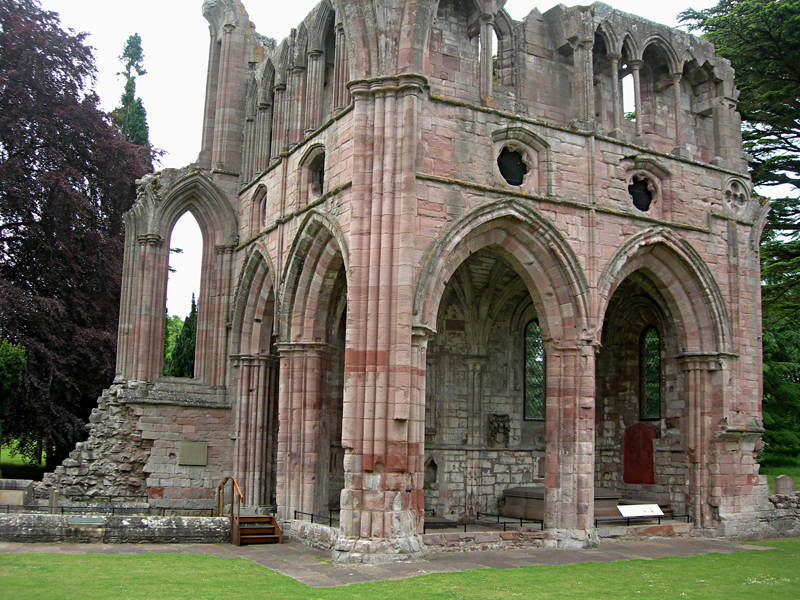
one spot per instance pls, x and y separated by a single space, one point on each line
512 166
628 95
534 373
650 364
185 257
317 175
640 193
431 475
495 50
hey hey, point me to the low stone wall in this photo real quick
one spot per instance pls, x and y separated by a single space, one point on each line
460 541
649 530
88 529
311 534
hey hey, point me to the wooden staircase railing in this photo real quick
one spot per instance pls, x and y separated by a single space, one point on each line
262 529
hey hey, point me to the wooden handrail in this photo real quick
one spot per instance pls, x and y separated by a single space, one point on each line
221 503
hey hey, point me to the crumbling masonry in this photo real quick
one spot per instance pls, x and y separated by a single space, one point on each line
440 260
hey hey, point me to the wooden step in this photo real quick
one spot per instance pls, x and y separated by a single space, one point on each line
244 540
257 529
262 529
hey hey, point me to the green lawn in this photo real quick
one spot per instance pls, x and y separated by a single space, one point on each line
13 466
773 575
773 472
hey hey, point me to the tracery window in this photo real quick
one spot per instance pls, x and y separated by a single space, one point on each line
534 373
650 365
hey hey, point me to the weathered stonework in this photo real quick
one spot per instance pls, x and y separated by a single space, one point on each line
386 210
94 529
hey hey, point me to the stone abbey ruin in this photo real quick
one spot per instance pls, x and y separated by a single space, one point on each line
442 261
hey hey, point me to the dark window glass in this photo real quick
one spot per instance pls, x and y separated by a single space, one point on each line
534 372
651 374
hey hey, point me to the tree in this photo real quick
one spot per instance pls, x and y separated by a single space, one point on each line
66 178
172 330
12 364
131 117
760 38
181 362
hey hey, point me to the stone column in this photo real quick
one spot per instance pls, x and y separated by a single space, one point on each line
583 83
302 372
150 311
697 371
475 431
255 441
486 58
616 96
212 306
297 107
636 66
278 120
569 433
264 127
316 79
382 427
341 75
210 111
224 81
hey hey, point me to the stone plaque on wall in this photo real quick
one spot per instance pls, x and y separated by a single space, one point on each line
193 453
638 454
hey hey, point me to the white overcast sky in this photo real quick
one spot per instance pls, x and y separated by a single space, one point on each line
175 41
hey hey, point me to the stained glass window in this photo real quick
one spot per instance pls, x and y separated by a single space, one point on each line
651 374
534 372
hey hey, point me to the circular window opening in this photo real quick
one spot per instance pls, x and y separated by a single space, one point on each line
512 166
641 194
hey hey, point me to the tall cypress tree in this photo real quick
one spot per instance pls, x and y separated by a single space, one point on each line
130 117
181 362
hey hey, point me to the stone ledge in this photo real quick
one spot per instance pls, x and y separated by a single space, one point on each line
472 541
101 529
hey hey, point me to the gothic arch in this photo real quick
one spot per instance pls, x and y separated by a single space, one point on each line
256 283
545 261
666 48
208 204
682 277
320 24
317 255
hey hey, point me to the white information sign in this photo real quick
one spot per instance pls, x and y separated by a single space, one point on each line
640 510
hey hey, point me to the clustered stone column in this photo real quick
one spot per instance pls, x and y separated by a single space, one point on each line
257 413
383 424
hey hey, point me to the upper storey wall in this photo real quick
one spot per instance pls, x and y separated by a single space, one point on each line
587 68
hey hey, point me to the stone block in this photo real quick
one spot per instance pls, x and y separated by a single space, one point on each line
783 484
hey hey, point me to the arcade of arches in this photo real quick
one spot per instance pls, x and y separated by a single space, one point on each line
431 276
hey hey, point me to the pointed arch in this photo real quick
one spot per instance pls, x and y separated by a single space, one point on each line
318 254
694 299
209 205
320 24
538 251
251 297
666 48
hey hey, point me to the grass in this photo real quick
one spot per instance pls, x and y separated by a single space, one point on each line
13 466
773 574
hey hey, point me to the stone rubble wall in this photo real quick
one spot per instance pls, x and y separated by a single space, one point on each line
311 534
779 518
111 462
95 529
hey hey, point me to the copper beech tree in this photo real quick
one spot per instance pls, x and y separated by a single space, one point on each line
66 178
